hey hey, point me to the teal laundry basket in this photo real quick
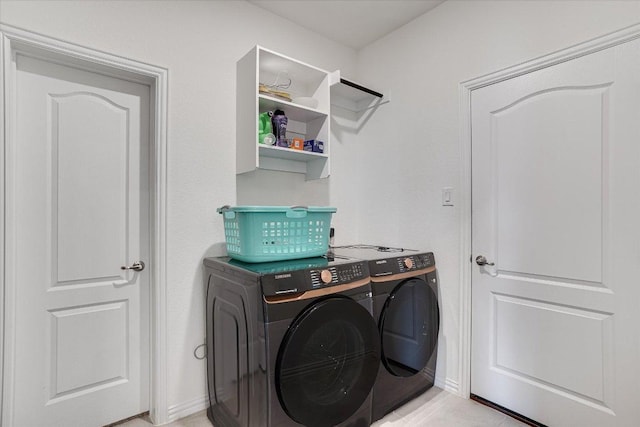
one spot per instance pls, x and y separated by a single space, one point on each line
276 233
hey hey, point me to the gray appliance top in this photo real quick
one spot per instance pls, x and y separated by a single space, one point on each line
294 276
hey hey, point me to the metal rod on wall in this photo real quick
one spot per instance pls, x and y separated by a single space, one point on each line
362 88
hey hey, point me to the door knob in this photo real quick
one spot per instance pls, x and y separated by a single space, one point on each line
481 260
137 266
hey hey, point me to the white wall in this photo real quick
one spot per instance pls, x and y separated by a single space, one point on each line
199 42
410 146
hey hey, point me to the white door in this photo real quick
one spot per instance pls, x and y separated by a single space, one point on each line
79 212
556 207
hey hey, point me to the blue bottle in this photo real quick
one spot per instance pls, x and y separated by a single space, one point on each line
279 121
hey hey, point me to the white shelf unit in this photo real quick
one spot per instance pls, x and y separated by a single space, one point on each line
261 65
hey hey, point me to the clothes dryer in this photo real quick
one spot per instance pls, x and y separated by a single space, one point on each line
290 343
405 304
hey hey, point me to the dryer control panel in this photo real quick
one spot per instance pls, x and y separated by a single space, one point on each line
401 264
292 282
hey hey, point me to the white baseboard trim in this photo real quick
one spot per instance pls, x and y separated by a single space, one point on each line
448 384
185 409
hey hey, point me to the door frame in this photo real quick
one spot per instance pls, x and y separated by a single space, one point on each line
465 90
13 41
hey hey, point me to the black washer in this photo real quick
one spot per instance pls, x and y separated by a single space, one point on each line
290 343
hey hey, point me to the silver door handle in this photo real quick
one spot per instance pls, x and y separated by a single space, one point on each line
137 266
481 260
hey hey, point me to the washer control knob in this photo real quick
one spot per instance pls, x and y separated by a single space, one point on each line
408 262
326 276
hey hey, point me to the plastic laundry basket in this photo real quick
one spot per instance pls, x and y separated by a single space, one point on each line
275 233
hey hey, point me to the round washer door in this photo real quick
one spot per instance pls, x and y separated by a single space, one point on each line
327 362
409 325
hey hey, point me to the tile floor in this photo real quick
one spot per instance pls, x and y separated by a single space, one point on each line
435 408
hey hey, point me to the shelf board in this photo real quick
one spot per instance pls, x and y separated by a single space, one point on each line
293 111
289 154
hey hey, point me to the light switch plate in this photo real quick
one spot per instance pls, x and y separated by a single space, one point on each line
447 196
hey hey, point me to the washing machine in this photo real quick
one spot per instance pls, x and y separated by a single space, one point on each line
405 304
290 343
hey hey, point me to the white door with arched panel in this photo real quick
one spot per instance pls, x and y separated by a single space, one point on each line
555 232
78 213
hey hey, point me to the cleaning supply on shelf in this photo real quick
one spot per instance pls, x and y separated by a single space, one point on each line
297 144
265 129
279 122
314 146
269 139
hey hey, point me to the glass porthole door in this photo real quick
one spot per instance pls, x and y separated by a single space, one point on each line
409 325
328 362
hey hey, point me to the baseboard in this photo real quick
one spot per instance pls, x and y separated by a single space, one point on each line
448 384
188 408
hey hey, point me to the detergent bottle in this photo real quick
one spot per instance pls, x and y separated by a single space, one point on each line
265 130
279 121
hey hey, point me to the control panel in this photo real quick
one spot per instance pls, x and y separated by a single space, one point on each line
401 264
313 278
338 275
